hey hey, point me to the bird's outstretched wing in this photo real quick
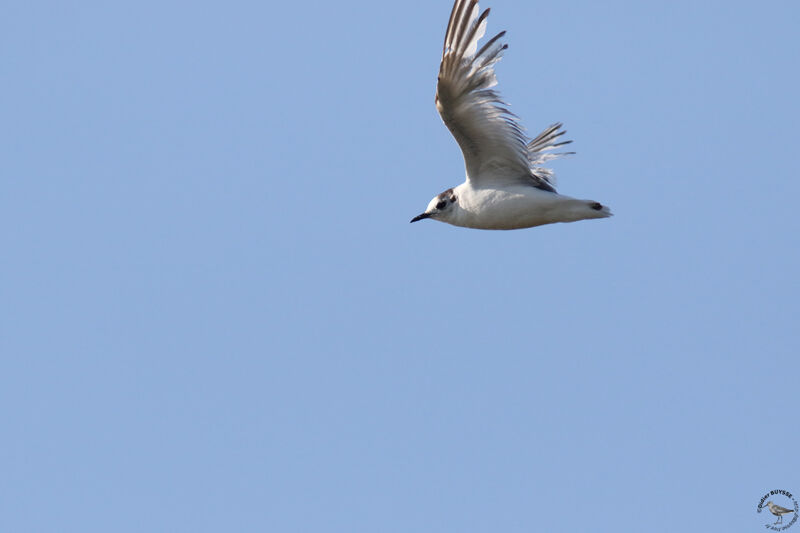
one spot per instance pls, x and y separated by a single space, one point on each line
490 136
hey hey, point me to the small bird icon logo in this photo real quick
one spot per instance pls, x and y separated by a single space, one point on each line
778 511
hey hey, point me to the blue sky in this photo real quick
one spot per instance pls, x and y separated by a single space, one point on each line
216 316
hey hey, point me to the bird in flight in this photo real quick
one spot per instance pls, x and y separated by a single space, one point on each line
506 187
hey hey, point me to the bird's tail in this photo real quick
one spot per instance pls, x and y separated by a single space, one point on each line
598 210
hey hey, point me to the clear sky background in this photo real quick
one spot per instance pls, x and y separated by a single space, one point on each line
216 317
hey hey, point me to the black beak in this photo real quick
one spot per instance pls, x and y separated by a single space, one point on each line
420 217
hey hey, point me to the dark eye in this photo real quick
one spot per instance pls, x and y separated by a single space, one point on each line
441 204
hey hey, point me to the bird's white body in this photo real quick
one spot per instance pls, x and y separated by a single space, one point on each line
507 186
515 207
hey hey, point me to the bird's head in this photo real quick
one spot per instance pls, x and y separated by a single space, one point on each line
442 207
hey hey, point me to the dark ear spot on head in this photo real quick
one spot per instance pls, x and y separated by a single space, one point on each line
444 198
597 206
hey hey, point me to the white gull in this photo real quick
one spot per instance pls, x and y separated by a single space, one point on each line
506 187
